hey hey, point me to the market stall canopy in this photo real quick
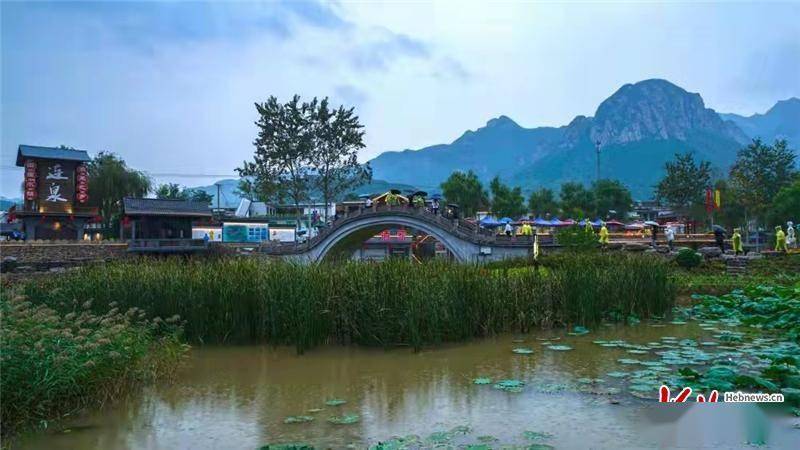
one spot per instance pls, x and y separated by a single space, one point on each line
651 223
490 222
615 223
541 222
506 220
634 226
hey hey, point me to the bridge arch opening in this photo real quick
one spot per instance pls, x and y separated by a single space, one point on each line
384 241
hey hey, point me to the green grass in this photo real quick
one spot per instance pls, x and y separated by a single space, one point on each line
54 362
236 300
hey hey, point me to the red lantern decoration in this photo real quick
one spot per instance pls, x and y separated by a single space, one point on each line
401 234
30 195
385 235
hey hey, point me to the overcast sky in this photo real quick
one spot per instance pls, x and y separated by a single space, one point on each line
170 86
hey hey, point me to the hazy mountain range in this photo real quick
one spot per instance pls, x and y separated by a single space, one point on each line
639 127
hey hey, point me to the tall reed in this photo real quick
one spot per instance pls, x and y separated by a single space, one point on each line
241 300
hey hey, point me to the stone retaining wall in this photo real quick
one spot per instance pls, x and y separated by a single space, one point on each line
43 255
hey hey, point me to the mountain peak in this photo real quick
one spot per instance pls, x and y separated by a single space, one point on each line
502 121
654 109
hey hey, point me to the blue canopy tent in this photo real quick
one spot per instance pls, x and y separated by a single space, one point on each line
490 222
596 223
539 222
505 220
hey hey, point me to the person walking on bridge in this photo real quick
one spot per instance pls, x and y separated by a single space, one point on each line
791 238
669 233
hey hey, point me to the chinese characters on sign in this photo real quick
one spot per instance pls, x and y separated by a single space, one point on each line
56 185
82 183
30 180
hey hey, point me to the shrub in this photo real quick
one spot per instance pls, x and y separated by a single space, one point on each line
577 238
688 258
56 362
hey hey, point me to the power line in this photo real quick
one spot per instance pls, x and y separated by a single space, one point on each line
158 174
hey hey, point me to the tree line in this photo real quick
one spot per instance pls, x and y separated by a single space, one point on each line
762 185
603 198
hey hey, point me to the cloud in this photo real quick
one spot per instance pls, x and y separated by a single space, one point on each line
385 48
449 67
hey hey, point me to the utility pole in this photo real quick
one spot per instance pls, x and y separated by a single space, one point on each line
597 166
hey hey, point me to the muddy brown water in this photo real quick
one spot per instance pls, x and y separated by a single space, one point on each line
239 397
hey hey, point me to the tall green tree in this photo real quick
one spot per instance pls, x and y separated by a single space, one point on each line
170 191
284 150
465 190
786 205
255 190
542 202
731 211
337 138
759 173
198 195
577 201
110 179
685 182
612 199
506 201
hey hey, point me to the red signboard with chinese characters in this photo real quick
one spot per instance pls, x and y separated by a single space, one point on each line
30 180
81 183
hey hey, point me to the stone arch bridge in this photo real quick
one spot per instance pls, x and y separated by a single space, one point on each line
465 240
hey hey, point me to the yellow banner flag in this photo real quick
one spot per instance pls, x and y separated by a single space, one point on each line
717 197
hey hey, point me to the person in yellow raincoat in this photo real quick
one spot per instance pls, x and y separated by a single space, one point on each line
603 234
780 240
737 242
587 227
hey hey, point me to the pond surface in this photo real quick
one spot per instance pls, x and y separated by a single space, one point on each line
240 398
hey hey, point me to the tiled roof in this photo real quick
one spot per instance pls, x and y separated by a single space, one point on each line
161 207
31 151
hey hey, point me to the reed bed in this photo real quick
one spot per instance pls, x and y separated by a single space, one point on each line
246 300
53 363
